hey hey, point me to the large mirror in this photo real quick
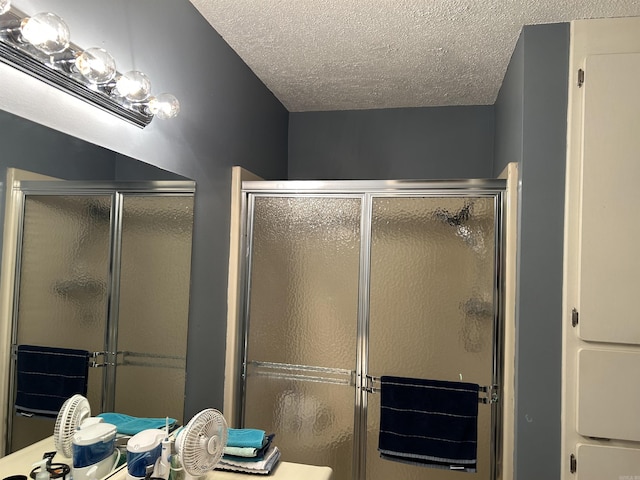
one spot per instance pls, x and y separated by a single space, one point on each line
102 265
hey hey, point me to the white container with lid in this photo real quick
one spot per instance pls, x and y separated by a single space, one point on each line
93 444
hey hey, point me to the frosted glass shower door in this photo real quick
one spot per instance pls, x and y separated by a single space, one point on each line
348 282
432 309
155 267
302 329
63 285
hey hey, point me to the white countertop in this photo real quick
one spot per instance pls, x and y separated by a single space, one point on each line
283 471
21 463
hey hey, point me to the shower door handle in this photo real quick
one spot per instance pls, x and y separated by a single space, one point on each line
369 382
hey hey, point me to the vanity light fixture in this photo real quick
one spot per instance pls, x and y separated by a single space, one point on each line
40 46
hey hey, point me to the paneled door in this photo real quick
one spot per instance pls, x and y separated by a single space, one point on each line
601 434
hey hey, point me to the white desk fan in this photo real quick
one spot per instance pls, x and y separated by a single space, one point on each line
76 429
200 444
73 412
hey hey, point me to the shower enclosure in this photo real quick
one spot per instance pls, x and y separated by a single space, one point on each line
348 281
105 268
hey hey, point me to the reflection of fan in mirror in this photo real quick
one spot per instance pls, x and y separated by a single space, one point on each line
86 439
72 413
200 444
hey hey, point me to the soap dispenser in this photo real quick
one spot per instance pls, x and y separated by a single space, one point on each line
41 466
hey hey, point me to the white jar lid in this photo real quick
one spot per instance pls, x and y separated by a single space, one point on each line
98 432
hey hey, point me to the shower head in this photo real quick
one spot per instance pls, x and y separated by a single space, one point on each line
460 221
454 219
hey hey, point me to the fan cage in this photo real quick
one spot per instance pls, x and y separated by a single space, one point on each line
201 443
73 411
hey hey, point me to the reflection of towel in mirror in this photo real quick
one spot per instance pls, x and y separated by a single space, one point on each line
47 376
429 422
128 425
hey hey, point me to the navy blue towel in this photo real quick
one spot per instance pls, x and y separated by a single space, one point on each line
47 377
429 422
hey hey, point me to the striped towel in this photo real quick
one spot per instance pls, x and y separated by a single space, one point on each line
47 376
429 422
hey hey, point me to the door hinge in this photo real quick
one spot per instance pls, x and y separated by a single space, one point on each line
580 77
573 463
574 318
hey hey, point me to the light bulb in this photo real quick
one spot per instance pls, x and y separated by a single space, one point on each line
96 65
5 5
164 106
134 86
46 32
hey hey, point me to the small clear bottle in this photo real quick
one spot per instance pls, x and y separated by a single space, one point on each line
43 473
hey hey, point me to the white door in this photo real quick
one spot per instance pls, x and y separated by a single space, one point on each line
610 259
604 414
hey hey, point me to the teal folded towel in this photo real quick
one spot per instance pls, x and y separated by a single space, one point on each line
128 425
245 437
249 454
246 452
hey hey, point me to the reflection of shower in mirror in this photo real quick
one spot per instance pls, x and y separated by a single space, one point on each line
106 287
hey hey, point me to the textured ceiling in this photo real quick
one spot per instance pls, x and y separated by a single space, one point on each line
358 54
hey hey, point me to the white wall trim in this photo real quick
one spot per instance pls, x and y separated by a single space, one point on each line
234 292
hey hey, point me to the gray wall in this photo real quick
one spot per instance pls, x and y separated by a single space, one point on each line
412 143
33 147
509 111
531 127
228 118
30 146
128 169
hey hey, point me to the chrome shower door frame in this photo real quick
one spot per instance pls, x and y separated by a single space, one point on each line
368 191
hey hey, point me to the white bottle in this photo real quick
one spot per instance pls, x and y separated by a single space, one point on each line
43 473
